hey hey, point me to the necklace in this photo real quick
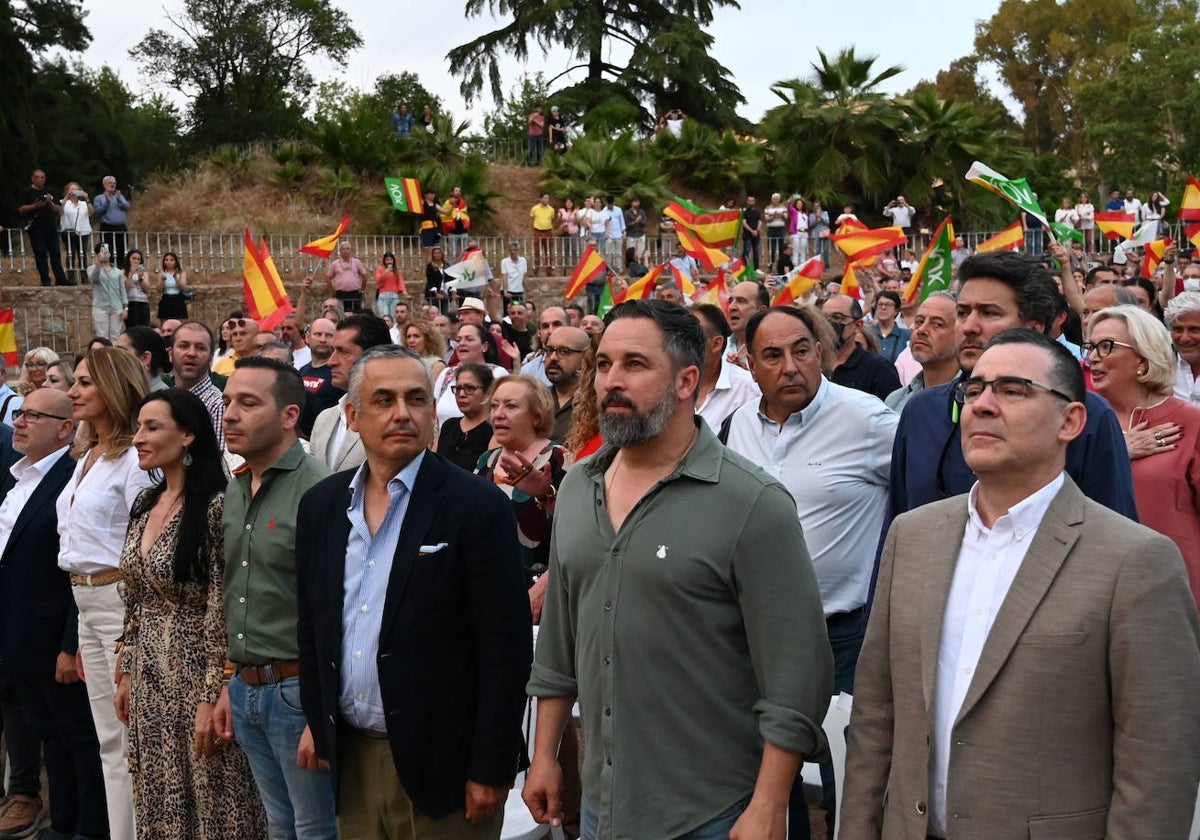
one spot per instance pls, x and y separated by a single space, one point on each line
618 462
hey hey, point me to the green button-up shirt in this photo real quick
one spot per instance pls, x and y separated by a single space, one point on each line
260 558
690 636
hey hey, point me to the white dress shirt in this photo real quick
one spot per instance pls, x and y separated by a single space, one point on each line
1186 385
93 513
303 356
987 564
735 387
339 432
29 475
514 272
835 458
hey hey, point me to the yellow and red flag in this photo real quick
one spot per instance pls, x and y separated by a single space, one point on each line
715 228
798 282
1193 233
716 293
1116 225
266 299
935 272
684 282
8 338
865 243
1189 208
1009 239
1154 252
849 282
590 266
851 225
326 245
643 287
405 194
710 258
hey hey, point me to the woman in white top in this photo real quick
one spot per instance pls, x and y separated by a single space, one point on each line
173 282
1154 210
798 229
76 227
93 516
1087 222
137 288
1067 215
472 344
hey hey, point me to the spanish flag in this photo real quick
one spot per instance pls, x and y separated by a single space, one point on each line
1009 239
1154 255
644 286
716 293
1193 233
266 298
935 272
710 258
715 228
849 282
738 272
1189 208
405 194
8 338
684 282
325 246
1116 225
866 243
590 266
798 282
851 225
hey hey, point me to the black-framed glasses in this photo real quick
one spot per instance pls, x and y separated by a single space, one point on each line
1007 389
842 321
32 416
1101 348
465 389
562 352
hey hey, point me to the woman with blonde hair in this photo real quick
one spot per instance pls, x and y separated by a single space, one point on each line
424 338
93 517
1133 365
34 369
60 376
75 223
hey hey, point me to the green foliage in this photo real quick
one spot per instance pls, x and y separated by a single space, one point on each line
392 89
717 163
670 64
243 65
596 165
354 132
290 173
336 184
233 163
509 123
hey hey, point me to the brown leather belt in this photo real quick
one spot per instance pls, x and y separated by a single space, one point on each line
99 579
269 674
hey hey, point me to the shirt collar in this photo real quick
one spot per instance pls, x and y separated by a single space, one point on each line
202 385
804 416
406 479
702 462
1026 515
723 383
41 467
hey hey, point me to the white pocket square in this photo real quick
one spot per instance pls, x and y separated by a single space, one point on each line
431 549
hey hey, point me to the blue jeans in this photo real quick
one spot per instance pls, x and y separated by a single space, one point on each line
385 304
268 723
1033 241
717 828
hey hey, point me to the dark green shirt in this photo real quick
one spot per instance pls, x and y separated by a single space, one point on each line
690 637
260 558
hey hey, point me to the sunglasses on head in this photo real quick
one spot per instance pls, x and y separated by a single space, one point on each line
237 322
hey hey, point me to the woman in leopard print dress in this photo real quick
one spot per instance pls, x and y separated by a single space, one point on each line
187 783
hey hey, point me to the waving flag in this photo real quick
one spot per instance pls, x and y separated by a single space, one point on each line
1065 233
1016 190
1189 208
8 338
1009 239
266 298
849 282
1154 255
590 266
326 245
798 281
1116 225
935 272
850 225
710 258
644 286
715 228
405 194
684 282
607 299
470 273
716 293
859 244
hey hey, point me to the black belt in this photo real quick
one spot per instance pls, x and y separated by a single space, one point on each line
838 618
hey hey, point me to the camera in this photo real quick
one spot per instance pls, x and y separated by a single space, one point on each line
47 197
77 193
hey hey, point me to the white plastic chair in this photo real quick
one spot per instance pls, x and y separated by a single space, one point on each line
837 718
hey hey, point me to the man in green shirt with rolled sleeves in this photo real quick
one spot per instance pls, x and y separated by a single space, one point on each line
261 701
682 610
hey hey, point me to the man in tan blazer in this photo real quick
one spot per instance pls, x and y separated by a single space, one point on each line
333 442
1032 663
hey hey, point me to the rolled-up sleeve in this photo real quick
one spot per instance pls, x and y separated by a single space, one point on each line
554 657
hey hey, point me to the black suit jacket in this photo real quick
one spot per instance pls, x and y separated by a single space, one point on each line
38 617
455 647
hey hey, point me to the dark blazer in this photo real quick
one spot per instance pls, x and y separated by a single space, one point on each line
455 646
38 617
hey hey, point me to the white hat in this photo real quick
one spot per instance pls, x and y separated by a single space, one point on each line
472 303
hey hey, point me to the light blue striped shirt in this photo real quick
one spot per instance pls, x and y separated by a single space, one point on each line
368 567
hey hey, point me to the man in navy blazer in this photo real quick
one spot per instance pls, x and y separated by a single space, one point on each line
39 620
414 629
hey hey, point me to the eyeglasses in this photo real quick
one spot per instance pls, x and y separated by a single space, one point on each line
1007 389
562 352
35 364
236 322
1101 348
32 416
465 389
840 320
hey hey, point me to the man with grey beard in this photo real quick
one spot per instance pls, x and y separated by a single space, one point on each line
648 558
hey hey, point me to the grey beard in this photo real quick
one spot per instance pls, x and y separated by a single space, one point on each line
640 427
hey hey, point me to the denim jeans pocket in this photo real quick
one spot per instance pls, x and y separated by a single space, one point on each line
289 695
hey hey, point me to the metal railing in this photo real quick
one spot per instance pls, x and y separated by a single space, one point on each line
65 328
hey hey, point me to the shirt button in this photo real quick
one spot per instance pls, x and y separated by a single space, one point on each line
608 605
245 563
241 600
608 712
365 608
371 564
248 527
358 654
360 697
609 761
607 660
240 636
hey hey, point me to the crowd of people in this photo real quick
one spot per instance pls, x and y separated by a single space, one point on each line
281 580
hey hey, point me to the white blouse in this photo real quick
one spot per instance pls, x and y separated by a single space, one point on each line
93 513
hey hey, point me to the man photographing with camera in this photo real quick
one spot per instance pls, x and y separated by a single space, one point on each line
40 211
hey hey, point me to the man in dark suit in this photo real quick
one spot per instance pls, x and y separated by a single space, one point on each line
414 623
38 618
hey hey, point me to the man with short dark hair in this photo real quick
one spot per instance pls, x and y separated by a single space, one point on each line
647 567
724 387
931 346
261 705
552 318
1032 659
563 353
293 337
575 314
853 366
635 227
40 211
334 443
191 356
542 215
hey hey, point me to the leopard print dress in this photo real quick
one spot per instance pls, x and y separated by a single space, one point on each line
177 636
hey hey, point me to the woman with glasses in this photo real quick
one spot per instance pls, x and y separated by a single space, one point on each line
187 782
33 372
472 346
463 439
1133 366
93 516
